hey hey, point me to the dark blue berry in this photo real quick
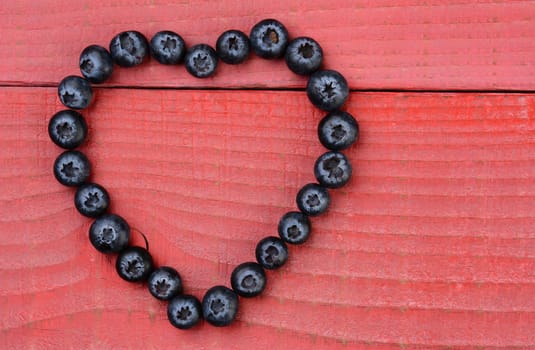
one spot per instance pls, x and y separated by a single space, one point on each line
91 200
327 90
269 38
96 64
232 47
184 311
248 279
271 253
201 61
220 306
167 47
67 129
165 283
109 233
129 49
313 199
332 169
303 56
75 92
72 168
338 130
134 264
294 227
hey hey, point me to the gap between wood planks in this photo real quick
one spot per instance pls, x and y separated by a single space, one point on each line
249 88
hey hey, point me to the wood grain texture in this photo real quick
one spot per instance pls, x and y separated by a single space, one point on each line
406 44
430 245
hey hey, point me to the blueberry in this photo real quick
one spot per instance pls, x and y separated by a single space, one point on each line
72 168
338 130
232 47
167 47
109 233
184 311
332 169
271 253
294 227
248 279
165 283
269 38
134 264
129 49
201 61
220 306
313 199
75 92
96 64
327 90
303 56
91 200
67 129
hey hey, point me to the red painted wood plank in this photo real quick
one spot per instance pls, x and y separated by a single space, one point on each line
408 44
431 244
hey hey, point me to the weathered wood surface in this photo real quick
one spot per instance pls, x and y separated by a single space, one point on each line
426 45
430 244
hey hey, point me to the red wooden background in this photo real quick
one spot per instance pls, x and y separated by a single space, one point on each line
431 245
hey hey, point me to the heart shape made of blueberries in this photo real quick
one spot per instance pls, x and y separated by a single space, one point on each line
111 234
